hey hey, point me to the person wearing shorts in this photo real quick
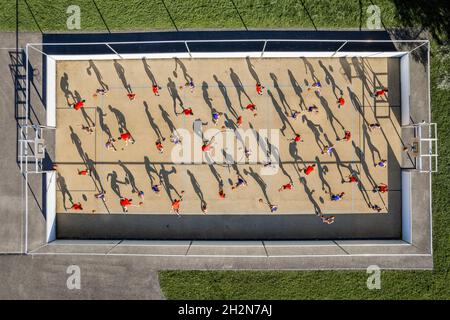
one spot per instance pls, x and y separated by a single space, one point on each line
309 169
287 186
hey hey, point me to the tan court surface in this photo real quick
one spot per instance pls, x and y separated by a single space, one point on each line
225 85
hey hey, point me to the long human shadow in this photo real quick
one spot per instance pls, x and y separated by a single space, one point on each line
173 91
86 117
283 117
90 164
309 66
97 73
148 71
346 67
298 90
64 85
230 124
121 121
206 95
330 115
150 169
77 142
361 74
261 143
363 162
274 150
216 174
361 187
317 131
61 183
183 68
260 182
239 86
309 193
115 183
166 117
329 79
165 181
223 90
251 69
197 189
373 150
103 125
323 170
293 152
129 177
152 122
121 73
337 157
287 108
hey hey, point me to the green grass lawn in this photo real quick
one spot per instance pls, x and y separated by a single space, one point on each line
115 15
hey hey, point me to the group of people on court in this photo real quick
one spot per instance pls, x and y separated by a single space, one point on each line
126 137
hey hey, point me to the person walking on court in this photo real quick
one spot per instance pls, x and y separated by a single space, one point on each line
382 163
327 220
287 186
131 96
222 194
240 182
313 108
204 208
379 92
77 105
216 116
341 102
187 112
297 138
76 206
337 197
155 89
381 188
239 121
374 126
328 149
252 108
376 208
156 188
347 136
259 89
351 179
295 114
309 169
272 207
126 136
88 129
207 146
84 172
125 203
159 146
110 144
176 204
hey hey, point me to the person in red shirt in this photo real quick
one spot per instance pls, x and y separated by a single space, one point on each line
347 136
252 108
297 138
239 121
382 188
259 89
206 147
287 186
309 169
188 112
176 204
341 102
131 96
126 136
156 89
77 105
84 172
77 206
351 179
159 146
222 194
380 92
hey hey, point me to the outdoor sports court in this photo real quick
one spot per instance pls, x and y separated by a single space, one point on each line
227 85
